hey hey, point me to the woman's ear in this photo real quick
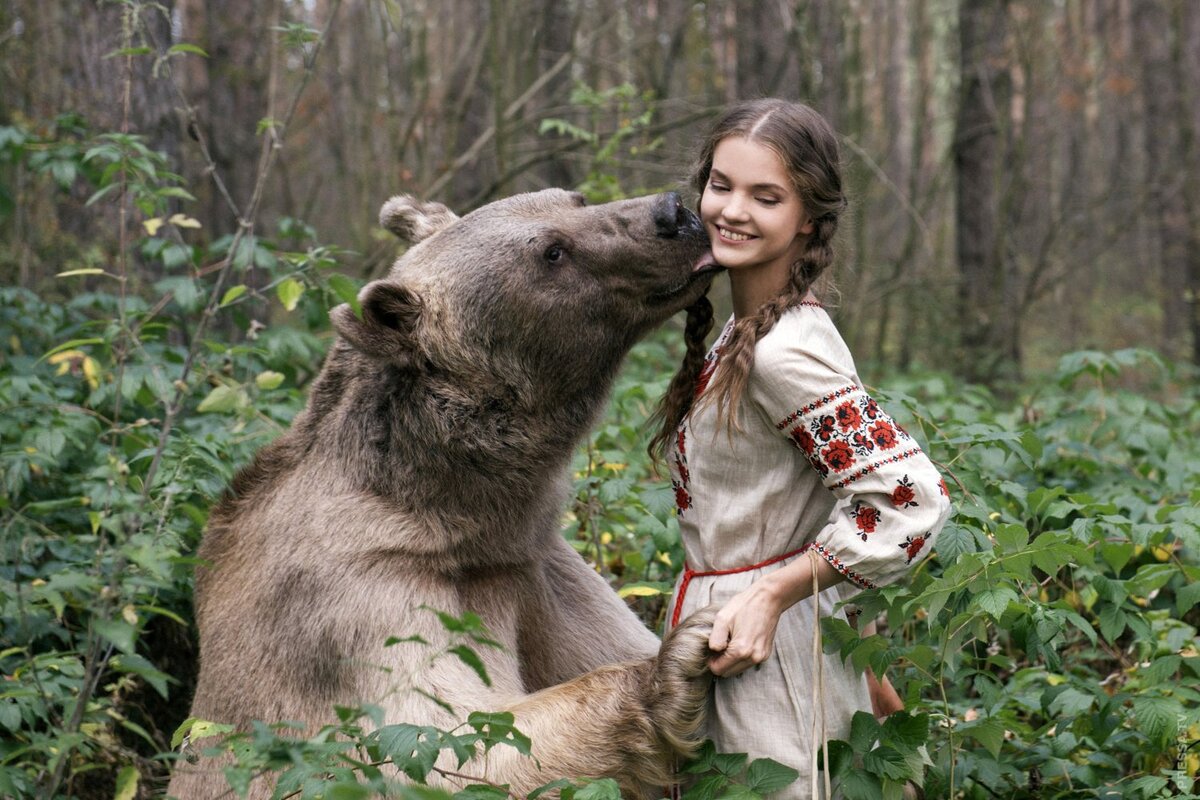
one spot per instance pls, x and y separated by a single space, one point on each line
807 227
391 315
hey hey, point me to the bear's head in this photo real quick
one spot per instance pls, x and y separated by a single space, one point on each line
539 290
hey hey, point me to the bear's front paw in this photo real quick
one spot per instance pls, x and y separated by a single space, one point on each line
677 693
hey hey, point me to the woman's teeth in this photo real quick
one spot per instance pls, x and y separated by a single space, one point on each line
733 236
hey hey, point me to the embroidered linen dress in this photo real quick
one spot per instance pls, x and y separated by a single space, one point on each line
819 465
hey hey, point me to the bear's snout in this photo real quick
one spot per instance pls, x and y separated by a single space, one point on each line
671 217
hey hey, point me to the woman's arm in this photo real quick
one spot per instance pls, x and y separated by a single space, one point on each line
744 632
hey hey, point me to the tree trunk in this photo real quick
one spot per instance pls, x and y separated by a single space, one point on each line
988 345
1189 65
1166 206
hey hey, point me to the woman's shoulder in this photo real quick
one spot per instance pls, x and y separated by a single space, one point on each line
804 332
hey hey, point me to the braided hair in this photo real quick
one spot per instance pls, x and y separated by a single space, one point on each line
808 147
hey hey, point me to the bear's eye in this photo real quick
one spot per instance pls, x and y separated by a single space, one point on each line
554 254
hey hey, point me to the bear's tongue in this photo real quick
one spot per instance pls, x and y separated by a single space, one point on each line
705 261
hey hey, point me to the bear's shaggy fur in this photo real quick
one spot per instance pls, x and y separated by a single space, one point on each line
429 471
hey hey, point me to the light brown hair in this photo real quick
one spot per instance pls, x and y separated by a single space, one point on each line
808 148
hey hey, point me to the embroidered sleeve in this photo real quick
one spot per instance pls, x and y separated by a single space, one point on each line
891 500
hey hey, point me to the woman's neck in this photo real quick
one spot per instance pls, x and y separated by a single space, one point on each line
750 289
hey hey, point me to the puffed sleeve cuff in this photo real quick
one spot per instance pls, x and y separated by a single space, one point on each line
891 500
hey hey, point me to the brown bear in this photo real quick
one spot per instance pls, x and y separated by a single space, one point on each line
429 471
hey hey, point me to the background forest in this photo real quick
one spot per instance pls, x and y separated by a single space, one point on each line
187 187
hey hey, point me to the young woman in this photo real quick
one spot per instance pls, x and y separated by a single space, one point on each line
786 473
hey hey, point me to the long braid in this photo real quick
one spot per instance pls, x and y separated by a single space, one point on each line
680 393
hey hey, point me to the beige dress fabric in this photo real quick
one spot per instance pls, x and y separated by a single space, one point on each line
817 465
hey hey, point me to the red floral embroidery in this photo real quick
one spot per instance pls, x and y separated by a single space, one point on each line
866 517
682 499
870 468
848 417
824 428
839 455
903 495
913 544
813 406
942 487
883 434
854 434
839 565
803 440
863 444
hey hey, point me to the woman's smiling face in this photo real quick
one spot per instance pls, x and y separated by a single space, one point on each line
753 215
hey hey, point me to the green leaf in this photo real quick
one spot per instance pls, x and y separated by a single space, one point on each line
1012 538
1157 717
1187 597
233 294
952 541
220 400
765 775
130 51
729 764
886 762
289 291
479 791
1071 702
135 664
346 291
1148 785
195 729
127 784
472 660
602 789
861 785
994 600
184 47
864 731
117 631
904 730
1116 554
347 791
1112 622
707 788
989 732
71 345
268 380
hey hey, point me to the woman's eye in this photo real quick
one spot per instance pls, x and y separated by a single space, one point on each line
768 201
718 187
554 254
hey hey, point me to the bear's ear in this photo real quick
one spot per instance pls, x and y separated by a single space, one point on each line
413 220
388 328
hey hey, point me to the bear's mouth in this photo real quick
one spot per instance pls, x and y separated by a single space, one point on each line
705 267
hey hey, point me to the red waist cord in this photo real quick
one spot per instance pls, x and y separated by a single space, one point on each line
689 573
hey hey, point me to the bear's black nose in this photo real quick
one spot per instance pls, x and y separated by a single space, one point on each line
669 214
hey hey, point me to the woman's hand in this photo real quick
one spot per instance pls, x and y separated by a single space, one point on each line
743 633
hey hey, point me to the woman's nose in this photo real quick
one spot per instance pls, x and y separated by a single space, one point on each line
735 208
